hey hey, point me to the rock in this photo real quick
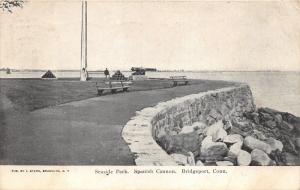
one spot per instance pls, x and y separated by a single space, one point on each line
199 127
187 129
233 160
234 150
252 143
180 159
270 124
286 126
235 130
297 142
199 163
258 135
293 120
210 163
289 146
180 143
191 159
275 144
265 116
278 157
212 150
255 117
278 118
291 159
216 131
244 126
234 138
260 158
221 134
227 124
224 163
243 158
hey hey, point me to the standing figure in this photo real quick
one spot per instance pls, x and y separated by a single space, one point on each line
84 74
106 72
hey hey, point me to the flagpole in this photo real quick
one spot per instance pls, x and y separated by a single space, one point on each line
83 68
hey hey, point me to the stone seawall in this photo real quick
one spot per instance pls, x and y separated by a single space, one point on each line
168 118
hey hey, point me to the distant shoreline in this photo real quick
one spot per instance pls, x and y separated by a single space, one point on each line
192 71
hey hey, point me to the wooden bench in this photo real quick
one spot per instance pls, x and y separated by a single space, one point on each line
113 86
179 79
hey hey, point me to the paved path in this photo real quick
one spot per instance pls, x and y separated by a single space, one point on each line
85 132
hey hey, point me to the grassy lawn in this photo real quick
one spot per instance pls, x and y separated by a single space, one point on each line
31 94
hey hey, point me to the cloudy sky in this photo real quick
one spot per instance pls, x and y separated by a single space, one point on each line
166 35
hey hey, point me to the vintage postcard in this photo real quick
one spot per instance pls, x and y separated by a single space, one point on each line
139 94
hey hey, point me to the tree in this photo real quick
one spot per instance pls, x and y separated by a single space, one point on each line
8 5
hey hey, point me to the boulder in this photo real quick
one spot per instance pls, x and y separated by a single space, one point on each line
216 131
180 143
255 117
212 150
233 160
293 120
227 123
289 145
265 116
270 124
199 127
220 135
253 143
191 159
278 118
243 126
260 158
291 159
258 135
275 144
224 163
234 150
243 158
297 142
180 159
210 163
278 157
199 163
233 138
286 126
187 129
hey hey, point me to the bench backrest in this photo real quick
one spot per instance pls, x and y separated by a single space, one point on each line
111 84
178 77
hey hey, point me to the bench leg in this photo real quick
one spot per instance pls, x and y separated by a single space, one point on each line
125 89
186 82
100 92
113 91
174 83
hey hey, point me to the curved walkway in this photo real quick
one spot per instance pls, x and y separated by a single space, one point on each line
86 132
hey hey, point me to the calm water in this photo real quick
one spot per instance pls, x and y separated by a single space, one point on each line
278 90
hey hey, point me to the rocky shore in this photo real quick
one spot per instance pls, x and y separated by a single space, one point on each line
263 137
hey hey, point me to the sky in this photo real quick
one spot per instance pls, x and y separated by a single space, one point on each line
165 35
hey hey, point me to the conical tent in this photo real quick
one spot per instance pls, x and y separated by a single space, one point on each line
48 75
